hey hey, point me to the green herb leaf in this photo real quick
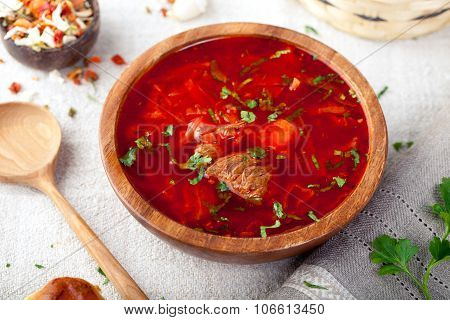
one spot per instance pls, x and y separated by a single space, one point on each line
439 249
402 145
248 116
315 162
213 116
311 30
279 53
253 65
280 157
272 117
443 211
39 266
312 216
201 174
297 113
355 155
257 152
393 253
263 229
8 265
318 80
197 160
314 286
382 91
143 143
222 186
168 131
129 158
225 93
251 103
340 181
104 275
278 210
216 73
169 151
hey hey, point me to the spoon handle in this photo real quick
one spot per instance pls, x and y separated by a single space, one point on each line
119 277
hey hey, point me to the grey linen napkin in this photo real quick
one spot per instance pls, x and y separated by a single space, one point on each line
399 208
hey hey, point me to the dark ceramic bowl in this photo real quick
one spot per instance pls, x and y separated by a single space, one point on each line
51 59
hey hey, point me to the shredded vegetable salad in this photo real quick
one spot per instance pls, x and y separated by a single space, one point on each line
45 24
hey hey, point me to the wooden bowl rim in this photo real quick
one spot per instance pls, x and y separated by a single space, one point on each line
86 34
317 232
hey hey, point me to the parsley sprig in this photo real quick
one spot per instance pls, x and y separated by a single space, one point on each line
396 254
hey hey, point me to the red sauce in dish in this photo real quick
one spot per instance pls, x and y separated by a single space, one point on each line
297 130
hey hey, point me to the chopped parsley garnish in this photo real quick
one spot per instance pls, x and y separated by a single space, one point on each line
251 103
257 152
312 216
318 80
311 30
340 181
280 157
315 162
248 116
39 266
314 57
222 186
355 156
395 255
382 92
225 93
278 210
263 229
104 275
402 145
216 73
273 116
253 65
169 150
294 115
168 131
8 265
313 286
72 112
197 160
130 157
143 143
279 53
213 116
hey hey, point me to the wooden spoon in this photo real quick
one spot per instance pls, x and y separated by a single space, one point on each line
30 138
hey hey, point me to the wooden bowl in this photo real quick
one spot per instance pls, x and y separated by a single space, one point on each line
56 58
231 249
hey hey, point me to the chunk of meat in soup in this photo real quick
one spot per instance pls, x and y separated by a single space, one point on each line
243 175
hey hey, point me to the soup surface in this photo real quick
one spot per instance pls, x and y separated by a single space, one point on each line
243 137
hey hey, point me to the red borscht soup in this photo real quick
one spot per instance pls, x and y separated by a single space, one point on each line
242 137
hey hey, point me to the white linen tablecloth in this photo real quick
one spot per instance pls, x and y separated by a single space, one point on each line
33 232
